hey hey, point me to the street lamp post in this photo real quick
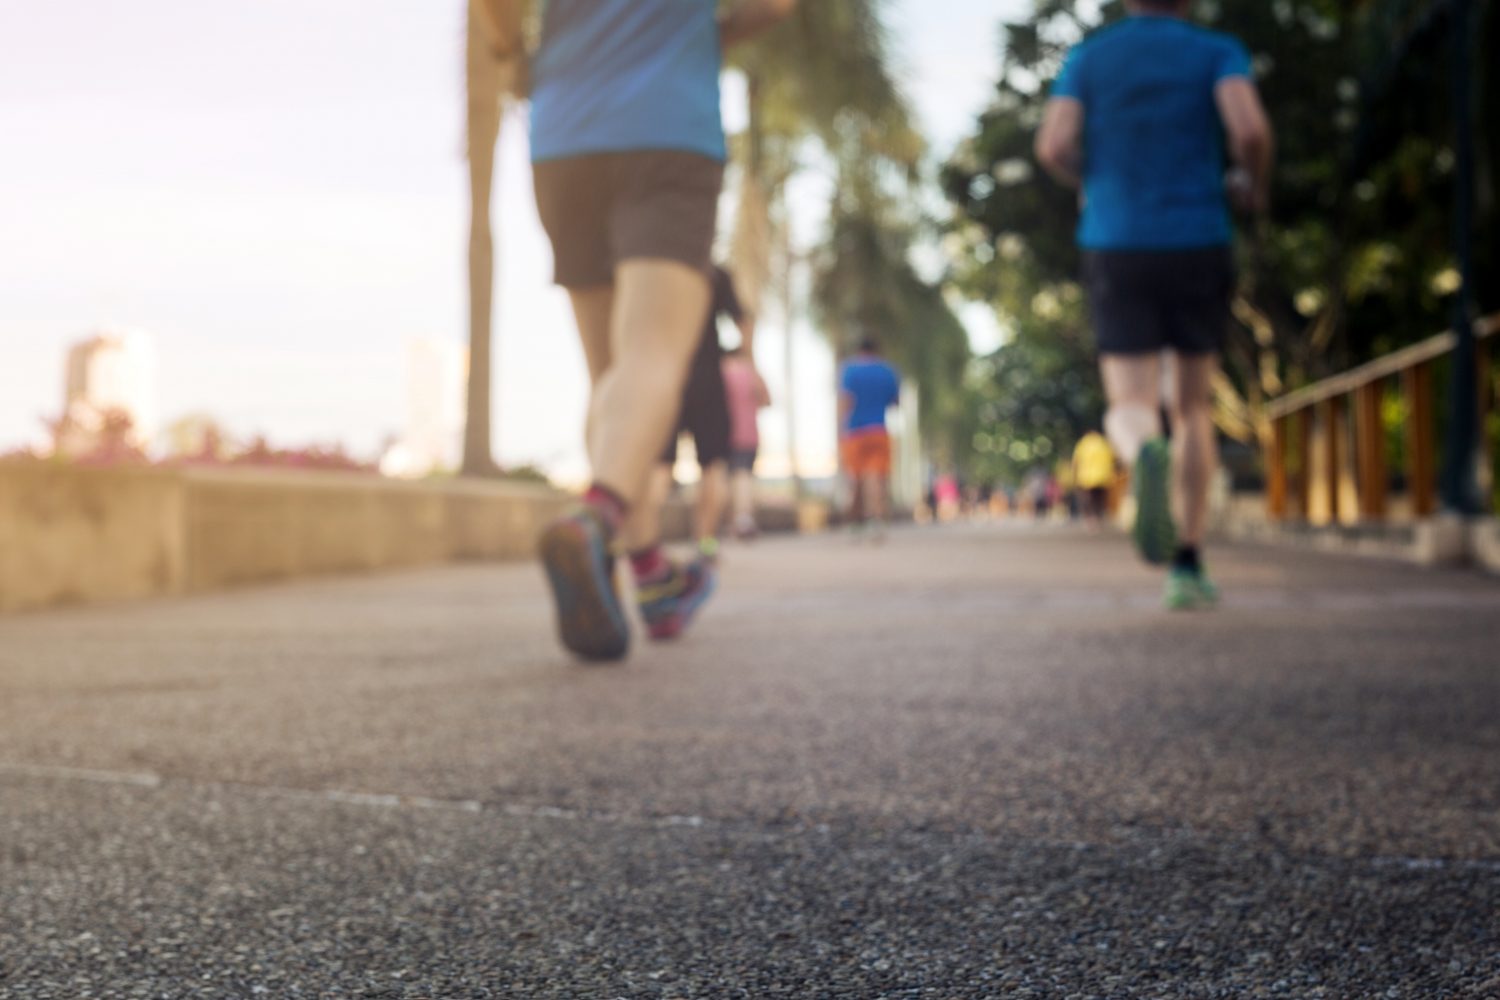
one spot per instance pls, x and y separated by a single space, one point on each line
1460 486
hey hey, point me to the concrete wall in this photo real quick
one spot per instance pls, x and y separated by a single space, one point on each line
70 535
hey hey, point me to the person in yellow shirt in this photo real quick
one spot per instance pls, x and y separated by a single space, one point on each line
1094 474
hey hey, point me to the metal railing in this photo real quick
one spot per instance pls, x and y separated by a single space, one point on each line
1316 420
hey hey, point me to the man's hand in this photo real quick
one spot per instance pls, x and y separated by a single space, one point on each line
750 18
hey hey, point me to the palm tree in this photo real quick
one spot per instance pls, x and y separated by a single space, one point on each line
490 80
825 75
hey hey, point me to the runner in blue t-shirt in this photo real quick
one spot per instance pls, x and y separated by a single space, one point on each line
629 159
868 386
1137 119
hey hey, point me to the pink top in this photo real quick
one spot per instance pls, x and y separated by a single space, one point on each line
746 394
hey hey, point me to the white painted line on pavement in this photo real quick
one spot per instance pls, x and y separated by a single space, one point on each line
142 779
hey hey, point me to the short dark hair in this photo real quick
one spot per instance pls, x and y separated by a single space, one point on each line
869 345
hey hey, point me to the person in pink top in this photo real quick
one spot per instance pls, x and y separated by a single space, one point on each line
746 393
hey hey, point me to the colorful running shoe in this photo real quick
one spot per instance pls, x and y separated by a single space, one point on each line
1189 590
669 605
1154 534
590 619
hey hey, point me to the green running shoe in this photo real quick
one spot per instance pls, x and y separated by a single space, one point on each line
1189 590
1154 534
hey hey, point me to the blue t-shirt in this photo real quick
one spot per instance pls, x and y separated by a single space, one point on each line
874 387
1153 144
617 76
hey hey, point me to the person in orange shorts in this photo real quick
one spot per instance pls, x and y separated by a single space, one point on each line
868 386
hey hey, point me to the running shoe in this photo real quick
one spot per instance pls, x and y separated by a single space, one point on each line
669 605
1154 534
1189 590
590 619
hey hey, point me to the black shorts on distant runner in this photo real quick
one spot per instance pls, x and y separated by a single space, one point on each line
705 406
1145 301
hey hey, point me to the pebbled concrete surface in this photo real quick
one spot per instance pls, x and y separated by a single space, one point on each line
975 762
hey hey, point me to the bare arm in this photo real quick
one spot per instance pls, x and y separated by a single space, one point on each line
762 393
500 20
750 18
746 324
1251 141
1059 142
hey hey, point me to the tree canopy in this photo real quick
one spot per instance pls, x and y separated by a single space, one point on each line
1355 258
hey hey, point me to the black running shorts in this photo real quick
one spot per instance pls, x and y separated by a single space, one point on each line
705 406
1145 301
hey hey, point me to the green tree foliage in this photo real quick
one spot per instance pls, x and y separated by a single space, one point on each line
823 91
1355 259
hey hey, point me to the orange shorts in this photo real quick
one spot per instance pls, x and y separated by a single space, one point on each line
867 453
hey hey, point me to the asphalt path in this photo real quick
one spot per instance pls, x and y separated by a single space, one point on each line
972 762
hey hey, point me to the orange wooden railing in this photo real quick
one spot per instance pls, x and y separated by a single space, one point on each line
1321 412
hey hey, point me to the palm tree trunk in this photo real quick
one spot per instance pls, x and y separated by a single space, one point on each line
788 318
482 77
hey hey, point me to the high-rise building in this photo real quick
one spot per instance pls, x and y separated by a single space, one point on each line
112 372
432 439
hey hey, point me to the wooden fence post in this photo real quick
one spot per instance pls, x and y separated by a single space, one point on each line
1421 439
1333 426
1304 462
1370 457
1276 471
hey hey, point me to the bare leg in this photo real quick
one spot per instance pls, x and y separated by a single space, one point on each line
1132 384
645 515
874 489
857 502
592 308
743 489
713 497
657 316
1193 448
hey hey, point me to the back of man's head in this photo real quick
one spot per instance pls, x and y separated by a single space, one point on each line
869 345
1158 6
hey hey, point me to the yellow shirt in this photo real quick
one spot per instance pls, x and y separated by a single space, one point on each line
1093 461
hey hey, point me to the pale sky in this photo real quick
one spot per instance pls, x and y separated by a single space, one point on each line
275 191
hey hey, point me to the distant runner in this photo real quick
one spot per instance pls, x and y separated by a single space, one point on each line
868 387
706 416
1137 118
629 158
1093 475
747 395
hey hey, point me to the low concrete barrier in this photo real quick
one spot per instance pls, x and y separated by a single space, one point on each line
70 535
1436 540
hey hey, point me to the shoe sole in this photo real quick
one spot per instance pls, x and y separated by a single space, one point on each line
590 621
673 625
1154 534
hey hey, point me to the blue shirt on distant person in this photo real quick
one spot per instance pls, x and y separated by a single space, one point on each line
873 387
616 76
1153 143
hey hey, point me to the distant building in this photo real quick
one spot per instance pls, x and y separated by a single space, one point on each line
432 439
109 375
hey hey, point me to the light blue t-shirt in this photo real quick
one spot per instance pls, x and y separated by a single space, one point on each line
617 76
874 387
1153 144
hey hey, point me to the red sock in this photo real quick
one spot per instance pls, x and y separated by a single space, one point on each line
608 503
648 564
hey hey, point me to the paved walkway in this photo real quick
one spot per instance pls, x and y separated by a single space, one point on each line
975 762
